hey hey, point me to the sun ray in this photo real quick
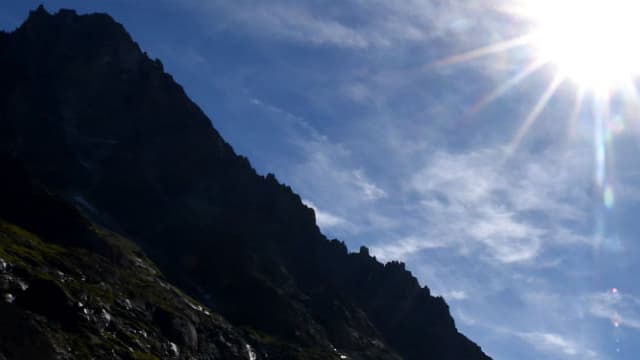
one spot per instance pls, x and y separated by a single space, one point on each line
535 113
600 113
482 52
632 105
630 90
506 86
575 113
609 159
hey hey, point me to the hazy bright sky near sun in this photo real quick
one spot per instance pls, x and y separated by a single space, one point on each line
506 177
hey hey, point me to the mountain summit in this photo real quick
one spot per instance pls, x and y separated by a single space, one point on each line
107 151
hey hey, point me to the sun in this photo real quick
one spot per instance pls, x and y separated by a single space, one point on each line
594 43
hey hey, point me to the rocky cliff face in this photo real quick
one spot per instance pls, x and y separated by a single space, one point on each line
91 119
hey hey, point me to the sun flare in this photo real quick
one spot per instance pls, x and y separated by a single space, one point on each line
593 43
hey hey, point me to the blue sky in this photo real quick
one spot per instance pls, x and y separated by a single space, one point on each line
341 101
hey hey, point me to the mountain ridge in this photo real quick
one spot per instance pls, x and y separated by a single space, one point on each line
93 119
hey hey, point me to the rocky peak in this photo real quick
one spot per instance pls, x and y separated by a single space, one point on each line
97 123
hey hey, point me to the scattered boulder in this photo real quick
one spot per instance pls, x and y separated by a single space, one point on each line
176 328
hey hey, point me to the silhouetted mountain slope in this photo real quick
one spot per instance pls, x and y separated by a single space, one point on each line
73 290
94 120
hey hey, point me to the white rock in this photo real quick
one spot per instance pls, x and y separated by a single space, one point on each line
23 285
106 316
250 352
9 298
174 348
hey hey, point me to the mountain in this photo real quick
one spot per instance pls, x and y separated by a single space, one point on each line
121 184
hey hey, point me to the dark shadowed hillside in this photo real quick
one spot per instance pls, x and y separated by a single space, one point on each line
74 290
95 122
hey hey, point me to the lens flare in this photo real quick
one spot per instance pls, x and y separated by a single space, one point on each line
609 197
617 125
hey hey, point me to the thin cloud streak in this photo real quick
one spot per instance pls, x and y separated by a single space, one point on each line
557 344
355 23
327 220
470 202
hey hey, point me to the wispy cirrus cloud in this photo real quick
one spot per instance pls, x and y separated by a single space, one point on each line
295 22
558 345
327 168
456 295
510 212
550 339
356 23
